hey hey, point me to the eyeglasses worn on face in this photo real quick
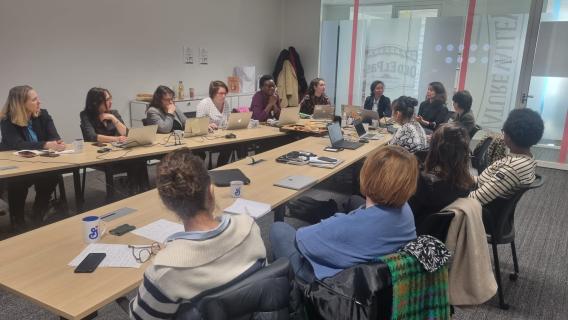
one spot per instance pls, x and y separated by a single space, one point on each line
143 253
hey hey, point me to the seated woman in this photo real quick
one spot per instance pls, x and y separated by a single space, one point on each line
462 104
162 111
100 123
211 252
316 96
446 172
265 103
410 135
503 178
433 111
215 106
382 226
25 126
377 101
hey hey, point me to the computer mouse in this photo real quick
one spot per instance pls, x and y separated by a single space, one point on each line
363 140
230 136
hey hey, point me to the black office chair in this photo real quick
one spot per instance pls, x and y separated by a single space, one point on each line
436 225
421 156
499 222
474 130
265 294
145 122
479 159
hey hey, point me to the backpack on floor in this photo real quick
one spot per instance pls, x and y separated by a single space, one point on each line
311 210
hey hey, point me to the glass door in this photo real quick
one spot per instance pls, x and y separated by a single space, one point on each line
547 82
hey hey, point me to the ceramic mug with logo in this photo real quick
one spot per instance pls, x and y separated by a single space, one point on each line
93 229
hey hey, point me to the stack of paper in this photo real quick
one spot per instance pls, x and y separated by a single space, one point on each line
117 255
252 208
159 230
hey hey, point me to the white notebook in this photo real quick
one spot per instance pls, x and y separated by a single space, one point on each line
296 182
252 208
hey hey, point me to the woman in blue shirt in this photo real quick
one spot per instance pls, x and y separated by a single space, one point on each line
381 226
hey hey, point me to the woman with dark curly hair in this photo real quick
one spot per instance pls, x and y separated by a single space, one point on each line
522 129
411 135
433 111
162 111
316 96
99 122
377 101
211 252
446 174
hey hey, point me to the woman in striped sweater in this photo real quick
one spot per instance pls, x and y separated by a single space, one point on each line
522 129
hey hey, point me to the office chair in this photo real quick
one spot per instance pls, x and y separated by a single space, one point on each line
265 294
436 225
474 130
479 158
499 222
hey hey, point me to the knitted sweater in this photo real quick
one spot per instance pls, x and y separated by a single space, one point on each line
186 268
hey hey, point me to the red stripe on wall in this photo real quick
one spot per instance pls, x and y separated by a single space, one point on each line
466 43
353 50
564 145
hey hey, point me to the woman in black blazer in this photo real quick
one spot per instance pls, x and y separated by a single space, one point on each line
25 126
377 101
433 111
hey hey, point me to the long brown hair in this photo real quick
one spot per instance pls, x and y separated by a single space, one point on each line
15 106
448 157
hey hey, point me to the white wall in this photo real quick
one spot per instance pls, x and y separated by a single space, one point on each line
301 29
64 47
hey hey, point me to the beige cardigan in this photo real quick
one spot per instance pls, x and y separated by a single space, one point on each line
471 279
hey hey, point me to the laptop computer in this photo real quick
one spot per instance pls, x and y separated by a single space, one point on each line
360 128
296 182
351 110
369 115
323 112
336 138
290 115
139 137
239 120
196 127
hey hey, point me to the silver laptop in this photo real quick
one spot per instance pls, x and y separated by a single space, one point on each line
369 115
337 140
323 112
362 133
139 137
196 127
239 120
289 115
296 182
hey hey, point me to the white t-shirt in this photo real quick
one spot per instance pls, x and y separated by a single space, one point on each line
206 108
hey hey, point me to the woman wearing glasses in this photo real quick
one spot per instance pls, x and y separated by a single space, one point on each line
211 252
162 111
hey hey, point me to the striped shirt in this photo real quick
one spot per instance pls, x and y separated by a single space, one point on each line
504 178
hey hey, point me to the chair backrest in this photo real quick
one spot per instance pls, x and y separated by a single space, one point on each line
479 160
145 122
421 155
83 132
436 225
499 214
265 291
474 130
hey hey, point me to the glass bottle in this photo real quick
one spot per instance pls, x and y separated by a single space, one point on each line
180 90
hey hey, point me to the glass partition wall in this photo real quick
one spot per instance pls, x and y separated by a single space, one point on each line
477 45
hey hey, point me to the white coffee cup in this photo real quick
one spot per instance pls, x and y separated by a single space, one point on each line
236 189
78 145
375 123
93 229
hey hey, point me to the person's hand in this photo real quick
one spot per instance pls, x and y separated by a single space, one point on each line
419 119
212 127
55 145
108 117
171 108
121 139
272 100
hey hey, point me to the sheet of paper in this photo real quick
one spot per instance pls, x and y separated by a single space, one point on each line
159 230
117 255
252 208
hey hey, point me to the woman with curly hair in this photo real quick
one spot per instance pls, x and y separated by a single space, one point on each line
316 96
411 136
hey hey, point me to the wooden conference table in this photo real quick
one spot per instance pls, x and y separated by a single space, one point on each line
15 167
34 264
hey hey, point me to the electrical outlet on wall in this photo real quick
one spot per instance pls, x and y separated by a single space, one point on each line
187 55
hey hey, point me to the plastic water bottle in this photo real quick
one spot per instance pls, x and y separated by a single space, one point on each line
344 120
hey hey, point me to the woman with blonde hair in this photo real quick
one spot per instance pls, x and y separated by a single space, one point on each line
25 126
382 225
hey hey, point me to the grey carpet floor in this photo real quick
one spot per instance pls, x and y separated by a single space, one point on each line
541 292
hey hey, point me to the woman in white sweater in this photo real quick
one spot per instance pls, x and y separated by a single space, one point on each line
211 252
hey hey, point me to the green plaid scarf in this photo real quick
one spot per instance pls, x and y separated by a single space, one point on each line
417 294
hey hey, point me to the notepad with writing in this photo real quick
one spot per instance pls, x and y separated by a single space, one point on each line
252 208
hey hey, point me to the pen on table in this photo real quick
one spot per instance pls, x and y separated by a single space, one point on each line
107 215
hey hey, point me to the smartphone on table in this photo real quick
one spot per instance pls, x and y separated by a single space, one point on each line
90 263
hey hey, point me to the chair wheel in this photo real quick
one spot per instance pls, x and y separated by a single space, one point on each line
513 277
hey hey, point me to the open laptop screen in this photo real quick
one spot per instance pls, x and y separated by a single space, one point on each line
334 130
359 128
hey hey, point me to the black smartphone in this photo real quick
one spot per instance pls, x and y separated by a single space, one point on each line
90 263
122 229
50 154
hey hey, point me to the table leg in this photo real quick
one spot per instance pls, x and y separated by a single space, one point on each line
79 192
